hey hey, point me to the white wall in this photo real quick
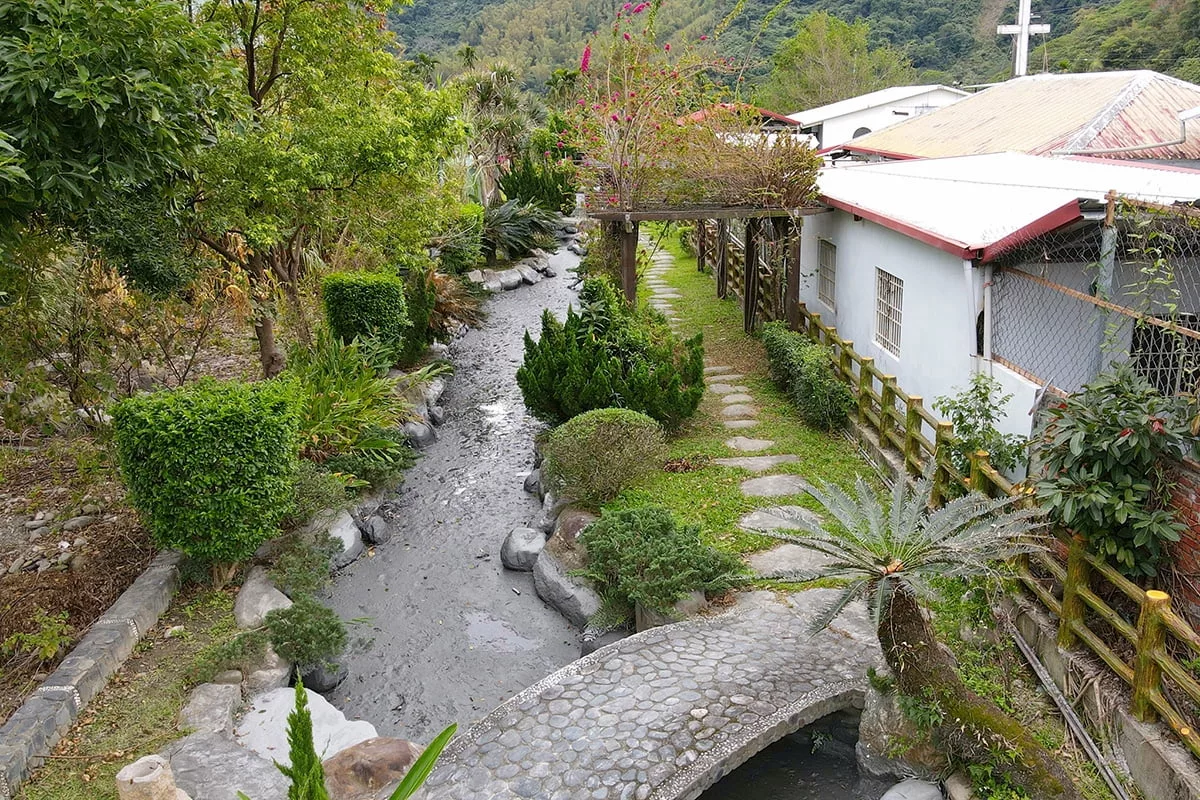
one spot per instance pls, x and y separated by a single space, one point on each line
937 345
840 130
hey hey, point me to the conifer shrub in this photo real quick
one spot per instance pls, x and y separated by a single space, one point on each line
643 555
305 770
420 298
210 466
805 370
592 457
608 355
306 633
366 305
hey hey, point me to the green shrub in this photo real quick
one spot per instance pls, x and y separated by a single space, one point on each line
608 355
642 555
420 298
343 399
1103 452
382 466
591 457
305 771
314 489
805 370
540 181
306 633
303 564
461 246
516 229
975 412
366 305
139 236
210 466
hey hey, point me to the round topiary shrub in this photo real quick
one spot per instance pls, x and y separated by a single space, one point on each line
366 305
591 457
210 466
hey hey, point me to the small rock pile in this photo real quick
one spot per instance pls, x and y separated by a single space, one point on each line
57 541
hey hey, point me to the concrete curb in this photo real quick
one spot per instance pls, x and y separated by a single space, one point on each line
46 716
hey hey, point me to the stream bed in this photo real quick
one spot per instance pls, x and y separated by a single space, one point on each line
790 770
440 631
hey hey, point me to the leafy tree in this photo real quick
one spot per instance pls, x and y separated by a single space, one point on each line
500 115
97 96
830 60
330 120
468 55
887 556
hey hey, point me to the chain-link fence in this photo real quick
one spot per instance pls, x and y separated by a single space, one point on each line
1123 287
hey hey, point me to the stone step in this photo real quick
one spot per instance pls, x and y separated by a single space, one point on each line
738 411
778 518
739 397
725 388
789 560
741 424
713 369
747 445
756 463
775 486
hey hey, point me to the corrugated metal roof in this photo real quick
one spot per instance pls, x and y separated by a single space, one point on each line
978 206
1041 114
881 97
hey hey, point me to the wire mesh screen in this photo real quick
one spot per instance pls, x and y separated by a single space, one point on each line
1068 304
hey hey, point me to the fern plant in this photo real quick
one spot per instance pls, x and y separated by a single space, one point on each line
887 554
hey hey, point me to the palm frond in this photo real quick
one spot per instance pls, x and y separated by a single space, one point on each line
847 596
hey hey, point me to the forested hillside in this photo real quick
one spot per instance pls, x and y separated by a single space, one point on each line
947 40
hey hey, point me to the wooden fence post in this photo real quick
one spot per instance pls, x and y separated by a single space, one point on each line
943 438
1078 577
814 329
701 244
864 388
912 427
887 406
629 243
1147 674
979 479
844 360
722 254
792 302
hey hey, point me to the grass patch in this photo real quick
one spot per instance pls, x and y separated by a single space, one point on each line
711 495
135 714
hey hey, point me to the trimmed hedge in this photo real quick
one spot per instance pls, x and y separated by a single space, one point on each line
610 356
366 305
805 370
592 457
643 555
210 466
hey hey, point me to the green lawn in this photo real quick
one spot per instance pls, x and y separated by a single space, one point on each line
710 496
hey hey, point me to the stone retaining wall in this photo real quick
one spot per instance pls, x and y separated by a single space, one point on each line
33 729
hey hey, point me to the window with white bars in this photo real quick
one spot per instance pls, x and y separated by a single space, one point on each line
827 273
889 302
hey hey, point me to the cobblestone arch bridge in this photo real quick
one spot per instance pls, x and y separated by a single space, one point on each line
665 714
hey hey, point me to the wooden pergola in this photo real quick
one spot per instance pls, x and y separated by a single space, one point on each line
791 219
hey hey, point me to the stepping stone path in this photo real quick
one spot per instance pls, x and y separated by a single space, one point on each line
740 413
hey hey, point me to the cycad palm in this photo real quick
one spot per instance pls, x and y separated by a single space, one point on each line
887 556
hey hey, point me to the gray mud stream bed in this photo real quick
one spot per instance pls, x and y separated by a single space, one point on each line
444 632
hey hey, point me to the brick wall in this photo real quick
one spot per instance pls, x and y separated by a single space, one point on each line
1186 552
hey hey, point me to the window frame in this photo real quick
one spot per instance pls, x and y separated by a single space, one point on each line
889 311
830 298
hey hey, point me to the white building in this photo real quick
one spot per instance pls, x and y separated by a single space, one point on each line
908 265
838 123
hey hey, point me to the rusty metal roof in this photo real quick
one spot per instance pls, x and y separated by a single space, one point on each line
1042 114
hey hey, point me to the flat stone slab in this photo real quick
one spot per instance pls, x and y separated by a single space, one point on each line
663 713
730 377
717 370
748 445
210 708
738 411
778 518
741 424
725 388
774 486
789 561
740 397
669 295
756 463
212 766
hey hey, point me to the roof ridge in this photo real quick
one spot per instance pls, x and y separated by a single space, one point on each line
1138 82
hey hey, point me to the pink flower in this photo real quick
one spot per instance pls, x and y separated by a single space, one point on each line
585 60
667 47
626 35
616 118
627 6
704 38
640 8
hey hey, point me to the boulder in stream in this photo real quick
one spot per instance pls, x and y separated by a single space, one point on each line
369 769
521 548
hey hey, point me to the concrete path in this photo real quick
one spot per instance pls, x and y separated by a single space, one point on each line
666 713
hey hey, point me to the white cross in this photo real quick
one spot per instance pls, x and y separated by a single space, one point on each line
1022 31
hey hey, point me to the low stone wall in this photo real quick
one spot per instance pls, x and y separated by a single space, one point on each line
33 729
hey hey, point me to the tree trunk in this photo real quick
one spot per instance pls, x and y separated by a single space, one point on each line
972 728
264 322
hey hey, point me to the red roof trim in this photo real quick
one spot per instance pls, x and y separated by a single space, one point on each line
920 234
1050 222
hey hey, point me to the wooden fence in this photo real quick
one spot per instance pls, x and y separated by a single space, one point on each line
1073 591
